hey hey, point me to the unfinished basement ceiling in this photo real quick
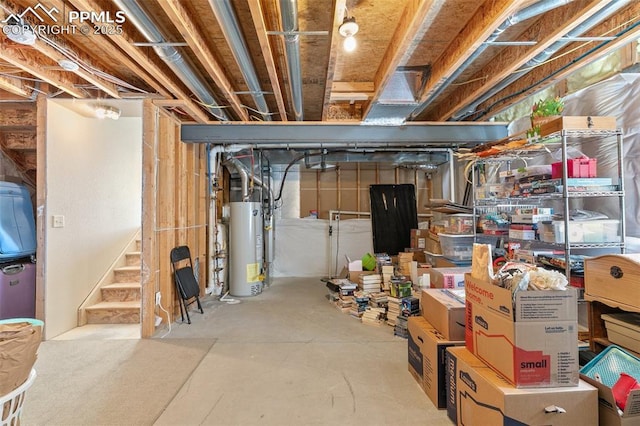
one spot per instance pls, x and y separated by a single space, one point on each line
226 68
416 60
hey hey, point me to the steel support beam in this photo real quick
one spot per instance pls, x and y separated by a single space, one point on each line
290 134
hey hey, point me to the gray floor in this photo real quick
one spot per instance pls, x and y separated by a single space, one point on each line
285 357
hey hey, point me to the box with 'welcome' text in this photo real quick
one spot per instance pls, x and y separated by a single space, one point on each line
532 342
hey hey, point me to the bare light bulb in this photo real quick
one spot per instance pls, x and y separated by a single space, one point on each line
349 44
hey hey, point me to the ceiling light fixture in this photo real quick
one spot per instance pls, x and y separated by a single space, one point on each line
68 65
19 31
348 29
106 111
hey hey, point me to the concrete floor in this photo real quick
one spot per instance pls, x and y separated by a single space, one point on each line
284 357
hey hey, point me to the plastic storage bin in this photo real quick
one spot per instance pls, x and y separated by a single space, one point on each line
12 403
459 224
608 364
589 231
456 247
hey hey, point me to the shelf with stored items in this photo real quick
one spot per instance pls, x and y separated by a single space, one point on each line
501 192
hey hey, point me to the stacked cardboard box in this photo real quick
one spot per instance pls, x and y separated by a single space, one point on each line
448 277
404 263
445 311
477 395
440 326
426 348
419 238
531 339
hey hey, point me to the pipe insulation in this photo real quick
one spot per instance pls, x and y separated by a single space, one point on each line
171 56
230 26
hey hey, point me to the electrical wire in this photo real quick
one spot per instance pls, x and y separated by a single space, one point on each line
168 320
481 113
335 272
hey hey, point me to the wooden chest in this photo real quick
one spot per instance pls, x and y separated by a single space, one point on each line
613 279
578 123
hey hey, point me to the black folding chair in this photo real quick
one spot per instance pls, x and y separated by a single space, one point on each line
185 279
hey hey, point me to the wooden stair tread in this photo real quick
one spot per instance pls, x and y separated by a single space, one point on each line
123 286
134 304
131 268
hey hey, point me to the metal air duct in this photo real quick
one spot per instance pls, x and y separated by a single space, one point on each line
520 16
543 56
231 28
289 13
245 177
171 56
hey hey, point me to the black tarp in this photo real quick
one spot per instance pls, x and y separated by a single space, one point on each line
393 216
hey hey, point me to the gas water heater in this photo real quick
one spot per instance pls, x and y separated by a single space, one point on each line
245 249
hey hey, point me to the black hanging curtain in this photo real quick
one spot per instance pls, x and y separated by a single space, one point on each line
393 216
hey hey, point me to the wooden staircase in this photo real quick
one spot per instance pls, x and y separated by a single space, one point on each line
117 299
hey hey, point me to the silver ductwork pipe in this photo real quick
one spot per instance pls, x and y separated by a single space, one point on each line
245 177
289 14
612 7
231 28
520 16
171 56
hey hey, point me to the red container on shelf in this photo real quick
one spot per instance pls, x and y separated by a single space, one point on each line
576 168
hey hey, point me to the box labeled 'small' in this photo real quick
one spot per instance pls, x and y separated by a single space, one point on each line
427 358
444 309
477 395
535 347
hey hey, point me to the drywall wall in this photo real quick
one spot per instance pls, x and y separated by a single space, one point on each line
93 179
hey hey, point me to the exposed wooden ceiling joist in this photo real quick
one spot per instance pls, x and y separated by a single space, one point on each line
188 107
137 54
55 55
15 86
25 59
267 53
484 22
413 15
512 58
554 71
180 18
338 16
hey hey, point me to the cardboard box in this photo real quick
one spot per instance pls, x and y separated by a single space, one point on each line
354 276
476 395
419 238
448 277
608 411
445 311
536 347
433 243
527 354
613 279
427 350
533 305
